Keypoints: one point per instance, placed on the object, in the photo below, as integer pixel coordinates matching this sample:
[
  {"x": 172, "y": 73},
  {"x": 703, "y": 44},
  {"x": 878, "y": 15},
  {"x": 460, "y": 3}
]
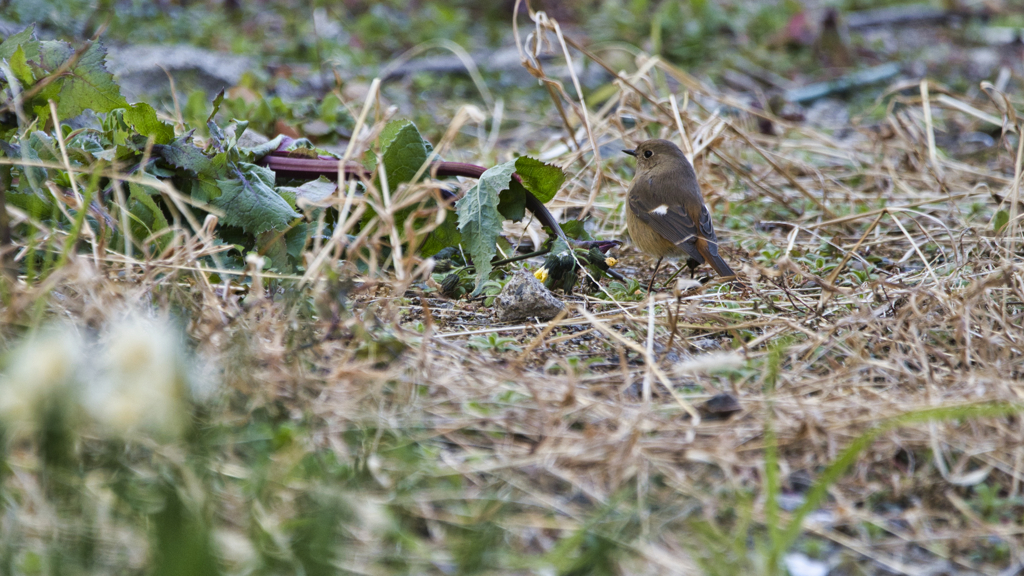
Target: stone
[
  {"x": 525, "y": 297},
  {"x": 139, "y": 69}
]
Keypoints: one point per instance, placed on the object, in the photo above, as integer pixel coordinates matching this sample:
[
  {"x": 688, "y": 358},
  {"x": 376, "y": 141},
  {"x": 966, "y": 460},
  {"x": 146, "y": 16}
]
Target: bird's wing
[
  {"x": 707, "y": 231},
  {"x": 673, "y": 223}
]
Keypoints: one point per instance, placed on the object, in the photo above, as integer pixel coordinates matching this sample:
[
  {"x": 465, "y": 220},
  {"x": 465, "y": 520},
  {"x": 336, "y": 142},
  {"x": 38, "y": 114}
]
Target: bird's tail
[
  {"x": 720, "y": 266},
  {"x": 711, "y": 257}
]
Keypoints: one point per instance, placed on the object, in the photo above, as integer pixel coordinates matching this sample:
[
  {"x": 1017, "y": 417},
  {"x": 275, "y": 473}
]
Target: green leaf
[
  {"x": 250, "y": 202},
  {"x": 314, "y": 191},
  {"x": 145, "y": 215},
  {"x": 86, "y": 85},
  {"x": 296, "y": 239},
  {"x": 143, "y": 118},
  {"x": 512, "y": 202},
  {"x": 575, "y": 229},
  {"x": 217, "y": 101},
  {"x": 182, "y": 153},
  {"x": 1000, "y": 220},
  {"x": 22, "y": 71},
  {"x": 273, "y": 246},
  {"x": 543, "y": 180},
  {"x": 30, "y": 203},
  {"x": 18, "y": 40},
  {"x": 479, "y": 219},
  {"x": 257, "y": 152},
  {"x": 445, "y": 235},
  {"x": 404, "y": 151}
]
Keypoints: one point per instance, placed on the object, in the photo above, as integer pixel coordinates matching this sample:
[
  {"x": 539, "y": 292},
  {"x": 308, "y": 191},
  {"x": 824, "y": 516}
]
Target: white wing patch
[{"x": 660, "y": 210}]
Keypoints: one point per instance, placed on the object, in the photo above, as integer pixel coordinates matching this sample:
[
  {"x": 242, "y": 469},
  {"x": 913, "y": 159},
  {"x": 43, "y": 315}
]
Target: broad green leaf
[
  {"x": 542, "y": 179},
  {"x": 250, "y": 202},
  {"x": 143, "y": 118},
  {"x": 445, "y": 235},
  {"x": 283, "y": 249},
  {"x": 19, "y": 40},
  {"x": 512, "y": 202},
  {"x": 86, "y": 85},
  {"x": 296, "y": 239},
  {"x": 401, "y": 145},
  {"x": 314, "y": 191},
  {"x": 403, "y": 153},
  {"x": 479, "y": 219},
  {"x": 273, "y": 247},
  {"x": 30, "y": 203},
  {"x": 573, "y": 229}
]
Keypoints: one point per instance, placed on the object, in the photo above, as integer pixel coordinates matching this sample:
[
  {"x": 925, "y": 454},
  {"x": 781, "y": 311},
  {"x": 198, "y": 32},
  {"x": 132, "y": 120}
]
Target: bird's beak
[{"x": 630, "y": 152}]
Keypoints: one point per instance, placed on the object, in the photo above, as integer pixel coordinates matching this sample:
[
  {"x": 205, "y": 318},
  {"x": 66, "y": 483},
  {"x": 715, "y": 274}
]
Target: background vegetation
[{"x": 213, "y": 368}]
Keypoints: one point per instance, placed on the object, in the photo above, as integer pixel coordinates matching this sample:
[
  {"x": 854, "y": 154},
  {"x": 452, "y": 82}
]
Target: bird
[{"x": 666, "y": 215}]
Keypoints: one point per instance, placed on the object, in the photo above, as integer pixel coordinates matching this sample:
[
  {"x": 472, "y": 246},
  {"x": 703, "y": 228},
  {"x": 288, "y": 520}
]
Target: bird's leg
[
  {"x": 672, "y": 277},
  {"x": 656, "y": 266},
  {"x": 692, "y": 265}
]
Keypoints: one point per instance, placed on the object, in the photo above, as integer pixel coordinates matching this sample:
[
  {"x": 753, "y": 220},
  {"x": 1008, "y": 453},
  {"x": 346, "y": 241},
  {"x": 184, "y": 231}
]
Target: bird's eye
[{"x": 648, "y": 153}]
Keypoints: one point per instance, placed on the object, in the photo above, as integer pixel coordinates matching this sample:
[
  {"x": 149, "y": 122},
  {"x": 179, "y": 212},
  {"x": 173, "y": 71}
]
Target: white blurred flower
[
  {"x": 143, "y": 382},
  {"x": 43, "y": 366},
  {"x": 708, "y": 362}
]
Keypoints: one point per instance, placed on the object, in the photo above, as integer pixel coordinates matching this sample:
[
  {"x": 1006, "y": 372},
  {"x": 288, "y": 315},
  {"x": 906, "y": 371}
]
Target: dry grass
[{"x": 875, "y": 287}]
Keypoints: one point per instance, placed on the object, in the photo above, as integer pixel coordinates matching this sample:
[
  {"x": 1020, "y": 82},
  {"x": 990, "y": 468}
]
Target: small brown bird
[{"x": 666, "y": 214}]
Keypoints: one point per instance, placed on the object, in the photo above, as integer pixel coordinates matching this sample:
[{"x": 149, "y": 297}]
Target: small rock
[
  {"x": 828, "y": 113},
  {"x": 525, "y": 297},
  {"x": 720, "y": 406},
  {"x": 139, "y": 69}
]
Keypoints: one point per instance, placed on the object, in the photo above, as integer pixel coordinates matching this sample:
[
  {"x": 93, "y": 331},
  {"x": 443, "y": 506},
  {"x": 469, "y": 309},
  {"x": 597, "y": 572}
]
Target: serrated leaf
[
  {"x": 543, "y": 180},
  {"x": 143, "y": 118},
  {"x": 217, "y": 101},
  {"x": 22, "y": 71},
  {"x": 18, "y": 40},
  {"x": 182, "y": 153},
  {"x": 479, "y": 219},
  {"x": 250, "y": 202},
  {"x": 403, "y": 153},
  {"x": 512, "y": 202},
  {"x": 86, "y": 85}
]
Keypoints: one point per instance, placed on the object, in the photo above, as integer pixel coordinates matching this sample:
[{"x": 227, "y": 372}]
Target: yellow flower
[
  {"x": 541, "y": 274},
  {"x": 610, "y": 261}
]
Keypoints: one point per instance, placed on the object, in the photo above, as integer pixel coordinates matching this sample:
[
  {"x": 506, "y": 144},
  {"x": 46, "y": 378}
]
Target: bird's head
[{"x": 651, "y": 153}]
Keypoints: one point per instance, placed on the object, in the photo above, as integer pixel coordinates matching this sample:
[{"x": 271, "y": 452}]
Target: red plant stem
[{"x": 286, "y": 166}]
